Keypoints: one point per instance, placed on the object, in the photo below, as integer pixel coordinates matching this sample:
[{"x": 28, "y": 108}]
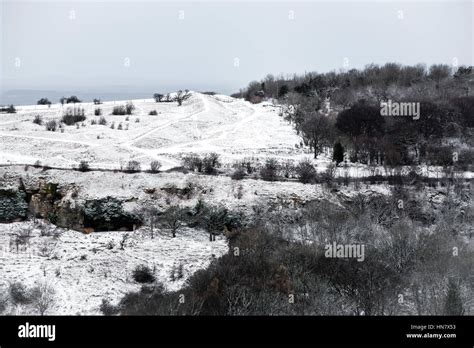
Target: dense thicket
[
  {"x": 345, "y": 107},
  {"x": 416, "y": 262}
]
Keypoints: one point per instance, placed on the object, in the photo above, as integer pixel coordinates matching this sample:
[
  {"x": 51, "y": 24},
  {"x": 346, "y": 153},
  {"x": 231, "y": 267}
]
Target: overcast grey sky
[{"x": 65, "y": 45}]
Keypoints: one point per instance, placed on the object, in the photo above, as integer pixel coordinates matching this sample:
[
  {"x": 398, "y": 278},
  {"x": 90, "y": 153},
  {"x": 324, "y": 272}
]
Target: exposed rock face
[
  {"x": 68, "y": 211},
  {"x": 62, "y": 206},
  {"x": 57, "y": 204}
]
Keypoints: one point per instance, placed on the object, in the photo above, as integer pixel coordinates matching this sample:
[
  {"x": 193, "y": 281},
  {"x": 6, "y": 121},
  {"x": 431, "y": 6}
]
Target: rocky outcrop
[{"x": 61, "y": 205}]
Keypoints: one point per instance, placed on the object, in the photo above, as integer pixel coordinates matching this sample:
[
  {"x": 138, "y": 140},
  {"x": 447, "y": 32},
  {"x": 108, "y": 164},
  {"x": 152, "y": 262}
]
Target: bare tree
[
  {"x": 182, "y": 96},
  {"x": 158, "y": 97},
  {"x": 173, "y": 219},
  {"x": 43, "y": 297},
  {"x": 151, "y": 217},
  {"x": 317, "y": 131},
  {"x": 22, "y": 238}
]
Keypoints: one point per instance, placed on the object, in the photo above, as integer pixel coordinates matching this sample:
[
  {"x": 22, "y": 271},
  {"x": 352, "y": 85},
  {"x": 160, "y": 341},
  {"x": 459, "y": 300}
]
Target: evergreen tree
[{"x": 338, "y": 153}]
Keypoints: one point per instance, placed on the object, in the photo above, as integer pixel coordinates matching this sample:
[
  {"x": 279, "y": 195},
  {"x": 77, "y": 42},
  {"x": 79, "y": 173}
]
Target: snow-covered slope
[
  {"x": 84, "y": 269},
  {"x": 231, "y": 127}
]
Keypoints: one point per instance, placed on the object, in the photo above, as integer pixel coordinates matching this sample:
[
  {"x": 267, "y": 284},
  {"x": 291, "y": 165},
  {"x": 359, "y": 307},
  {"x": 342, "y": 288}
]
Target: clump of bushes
[
  {"x": 158, "y": 97},
  {"x": 211, "y": 163},
  {"x": 107, "y": 308},
  {"x": 97, "y": 111},
  {"x": 73, "y": 115},
  {"x": 72, "y": 99},
  {"x": 19, "y": 294},
  {"x": 123, "y": 109},
  {"x": 155, "y": 166},
  {"x": 143, "y": 274},
  {"x": 269, "y": 171},
  {"x": 84, "y": 166},
  {"x": 238, "y": 174},
  {"x": 153, "y": 113},
  {"x": 102, "y": 121},
  {"x": 306, "y": 172},
  {"x": 192, "y": 162},
  {"x": 8, "y": 109},
  {"x": 40, "y": 297},
  {"x": 119, "y": 110},
  {"x": 51, "y": 126},
  {"x": 213, "y": 219},
  {"x": 38, "y": 120},
  {"x": 246, "y": 164},
  {"x": 107, "y": 214},
  {"x": 207, "y": 164},
  {"x": 129, "y": 108},
  {"x": 133, "y": 167},
  {"x": 44, "y": 101}
]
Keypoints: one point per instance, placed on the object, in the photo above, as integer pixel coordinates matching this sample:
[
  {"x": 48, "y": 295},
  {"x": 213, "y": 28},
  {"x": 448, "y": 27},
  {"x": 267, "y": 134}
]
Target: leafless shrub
[
  {"x": 46, "y": 248},
  {"x": 43, "y": 297},
  {"x": 269, "y": 172},
  {"x": 306, "y": 172},
  {"x": 22, "y": 237},
  {"x": 38, "y": 120},
  {"x": 102, "y": 121},
  {"x": 52, "y": 125},
  {"x": 155, "y": 166},
  {"x": 193, "y": 162},
  {"x": 133, "y": 167}
]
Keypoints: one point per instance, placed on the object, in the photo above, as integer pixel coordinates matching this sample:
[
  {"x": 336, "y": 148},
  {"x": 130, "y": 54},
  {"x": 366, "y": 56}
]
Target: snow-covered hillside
[
  {"x": 231, "y": 127},
  {"x": 84, "y": 269}
]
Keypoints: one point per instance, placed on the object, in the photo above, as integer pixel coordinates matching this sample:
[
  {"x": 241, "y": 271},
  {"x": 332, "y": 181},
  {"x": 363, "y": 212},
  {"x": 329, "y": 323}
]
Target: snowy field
[
  {"x": 231, "y": 127},
  {"x": 84, "y": 269}
]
